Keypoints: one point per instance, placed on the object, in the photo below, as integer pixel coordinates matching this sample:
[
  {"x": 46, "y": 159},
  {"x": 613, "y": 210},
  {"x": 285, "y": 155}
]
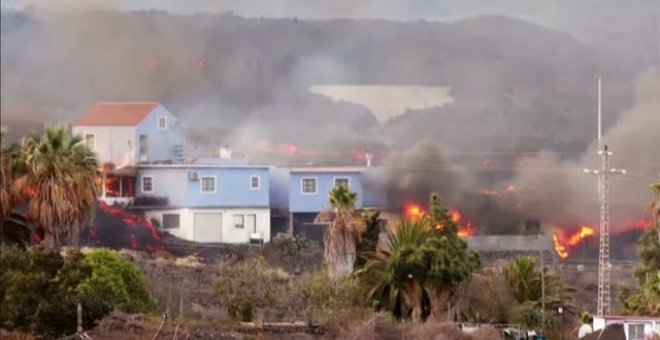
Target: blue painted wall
[
  {"x": 161, "y": 142},
  {"x": 279, "y": 188},
  {"x": 299, "y": 202},
  {"x": 232, "y": 186}
]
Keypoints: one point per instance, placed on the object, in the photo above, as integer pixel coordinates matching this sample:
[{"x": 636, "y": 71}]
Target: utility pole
[
  {"x": 604, "y": 287},
  {"x": 604, "y": 298},
  {"x": 542, "y": 295}
]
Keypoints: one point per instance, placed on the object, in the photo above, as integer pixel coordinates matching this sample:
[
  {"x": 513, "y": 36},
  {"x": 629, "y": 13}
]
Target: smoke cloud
[
  {"x": 518, "y": 88},
  {"x": 560, "y": 192}
]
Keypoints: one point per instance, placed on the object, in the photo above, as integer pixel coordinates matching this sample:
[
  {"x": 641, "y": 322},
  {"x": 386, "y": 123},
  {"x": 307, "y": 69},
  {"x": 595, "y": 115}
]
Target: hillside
[{"x": 515, "y": 84}]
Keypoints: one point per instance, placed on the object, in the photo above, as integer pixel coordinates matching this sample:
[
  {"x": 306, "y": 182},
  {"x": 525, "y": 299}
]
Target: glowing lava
[
  {"x": 563, "y": 244},
  {"x": 117, "y": 228}
]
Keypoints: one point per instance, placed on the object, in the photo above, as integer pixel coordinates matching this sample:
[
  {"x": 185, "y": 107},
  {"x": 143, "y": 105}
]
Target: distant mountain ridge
[{"x": 252, "y": 75}]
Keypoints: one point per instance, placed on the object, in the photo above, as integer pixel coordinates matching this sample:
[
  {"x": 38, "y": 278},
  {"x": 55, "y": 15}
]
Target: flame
[
  {"x": 584, "y": 232},
  {"x": 559, "y": 248},
  {"x": 563, "y": 244},
  {"x": 413, "y": 211},
  {"x": 465, "y": 228}
]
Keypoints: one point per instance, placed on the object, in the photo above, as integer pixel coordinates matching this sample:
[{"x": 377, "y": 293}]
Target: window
[
  {"x": 143, "y": 148},
  {"x": 342, "y": 181},
  {"x": 90, "y": 141},
  {"x": 251, "y": 222},
  {"x": 239, "y": 222},
  {"x": 309, "y": 185},
  {"x": 162, "y": 122},
  {"x": 208, "y": 184},
  {"x": 147, "y": 184},
  {"x": 171, "y": 221},
  {"x": 636, "y": 331},
  {"x": 255, "y": 182}
]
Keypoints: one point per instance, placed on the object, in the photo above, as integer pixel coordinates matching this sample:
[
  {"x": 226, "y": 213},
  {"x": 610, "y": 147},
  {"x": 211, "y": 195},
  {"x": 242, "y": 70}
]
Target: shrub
[
  {"x": 252, "y": 287},
  {"x": 38, "y": 293},
  {"x": 40, "y": 289},
  {"x": 293, "y": 245},
  {"x": 115, "y": 283}
]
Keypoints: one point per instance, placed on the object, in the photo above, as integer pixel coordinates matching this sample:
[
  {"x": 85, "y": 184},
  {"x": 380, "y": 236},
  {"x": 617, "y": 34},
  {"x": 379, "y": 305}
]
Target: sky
[{"x": 382, "y": 9}]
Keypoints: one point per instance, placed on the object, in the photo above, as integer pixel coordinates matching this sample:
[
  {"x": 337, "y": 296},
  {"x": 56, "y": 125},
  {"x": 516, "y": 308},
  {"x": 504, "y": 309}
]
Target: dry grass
[{"x": 13, "y": 335}]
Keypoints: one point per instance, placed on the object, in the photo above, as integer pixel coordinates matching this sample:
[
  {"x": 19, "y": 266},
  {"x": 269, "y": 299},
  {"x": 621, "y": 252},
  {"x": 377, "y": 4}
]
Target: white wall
[
  {"x": 112, "y": 143},
  {"x": 185, "y": 230},
  {"x": 230, "y": 234}
]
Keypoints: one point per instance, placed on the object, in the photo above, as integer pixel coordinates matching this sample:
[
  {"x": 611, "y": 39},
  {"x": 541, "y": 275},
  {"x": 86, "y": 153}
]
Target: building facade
[
  {"x": 139, "y": 146},
  {"x": 124, "y": 135},
  {"x": 207, "y": 203},
  {"x": 299, "y": 194},
  {"x": 635, "y": 327}
]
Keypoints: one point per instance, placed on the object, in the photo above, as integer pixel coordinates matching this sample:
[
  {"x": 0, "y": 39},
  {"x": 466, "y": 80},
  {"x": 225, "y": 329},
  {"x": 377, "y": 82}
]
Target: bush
[
  {"x": 40, "y": 289},
  {"x": 293, "y": 245},
  {"x": 115, "y": 283},
  {"x": 38, "y": 293},
  {"x": 252, "y": 287}
]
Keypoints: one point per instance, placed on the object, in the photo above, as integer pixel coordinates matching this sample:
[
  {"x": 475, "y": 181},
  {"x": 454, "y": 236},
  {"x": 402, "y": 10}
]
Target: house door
[
  {"x": 143, "y": 154},
  {"x": 207, "y": 227}
]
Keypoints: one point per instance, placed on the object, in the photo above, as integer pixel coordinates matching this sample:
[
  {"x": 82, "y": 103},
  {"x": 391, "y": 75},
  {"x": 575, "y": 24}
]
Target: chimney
[
  {"x": 225, "y": 152},
  {"x": 368, "y": 157}
]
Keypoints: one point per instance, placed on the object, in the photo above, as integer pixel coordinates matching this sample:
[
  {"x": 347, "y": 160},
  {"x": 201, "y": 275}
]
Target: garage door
[{"x": 208, "y": 227}]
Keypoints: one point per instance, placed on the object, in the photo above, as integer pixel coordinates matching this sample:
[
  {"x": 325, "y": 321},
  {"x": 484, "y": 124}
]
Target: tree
[
  {"x": 396, "y": 275},
  {"x": 451, "y": 266},
  {"x": 646, "y": 300},
  {"x": 525, "y": 284},
  {"x": 344, "y": 230},
  {"x": 423, "y": 258},
  {"x": 60, "y": 183},
  {"x": 13, "y": 226},
  {"x": 368, "y": 240},
  {"x": 445, "y": 224}
]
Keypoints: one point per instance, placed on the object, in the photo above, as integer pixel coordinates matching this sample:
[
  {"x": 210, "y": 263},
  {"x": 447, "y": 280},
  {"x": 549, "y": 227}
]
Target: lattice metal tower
[{"x": 604, "y": 287}]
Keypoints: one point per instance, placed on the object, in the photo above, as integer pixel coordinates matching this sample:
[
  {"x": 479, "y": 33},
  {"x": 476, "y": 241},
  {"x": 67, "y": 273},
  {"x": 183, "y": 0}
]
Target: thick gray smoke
[
  {"x": 560, "y": 192},
  {"x": 544, "y": 186},
  {"x": 518, "y": 88}
]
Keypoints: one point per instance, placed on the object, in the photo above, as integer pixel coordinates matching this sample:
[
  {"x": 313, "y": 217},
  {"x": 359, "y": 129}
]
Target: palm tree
[
  {"x": 346, "y": 225},
  {"x": 655, "y": 208},
  {"x": 396, "y": 275},
  {"x": 524, "y": 283},
  {"x": 522, "y": 278},
  {"x": 13, "y": 226},
  {"x": 60, "y": 183},
  {"x": 8, "y": 196}
]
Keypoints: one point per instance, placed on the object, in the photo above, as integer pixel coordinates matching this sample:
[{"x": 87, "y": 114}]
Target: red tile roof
[{"x": 116, "y": 114}]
